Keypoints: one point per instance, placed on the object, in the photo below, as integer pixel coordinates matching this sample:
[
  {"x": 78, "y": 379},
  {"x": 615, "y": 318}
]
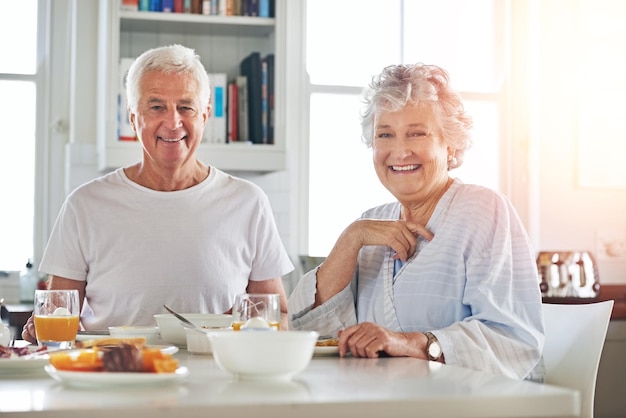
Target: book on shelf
[
  {"x": 233, "y": 109},
  {"x": 125, "y": 130},
  {"x": 229, "y": 7},
  {"x": 209, "y": 7},
  {"x": 242, "y": 104},
  {"x": 179, "y": 6},
  {"x": 237, "y": 7},
  {"x": 156, "y": 5},
  {"x": 250, "y": 67},
  {"x": 264, "y": 100},
  {"x": 129, "y": 5},
  {"x": 256, "y": 8},
  {"x": 167, "y": 6},
  {"x": 215, "y": 131},
  {"x": 269, "y": 60},
  {"x": 264, "y": 8},
  {"x": 196, "y": 6},
  {"x": 250, "y": 7}
]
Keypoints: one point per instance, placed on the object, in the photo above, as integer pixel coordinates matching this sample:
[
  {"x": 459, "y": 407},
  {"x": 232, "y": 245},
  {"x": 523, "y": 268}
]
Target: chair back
[{"x": 575, "y": 337}]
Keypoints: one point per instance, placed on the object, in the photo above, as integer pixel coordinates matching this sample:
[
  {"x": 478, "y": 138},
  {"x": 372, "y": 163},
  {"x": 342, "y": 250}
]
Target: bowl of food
[
  {"x": 173, "y": 331},
  {"x": 150, "y": 333},
  {"x": 198, "y": 341},
  {"x": 259, "y": 355}
]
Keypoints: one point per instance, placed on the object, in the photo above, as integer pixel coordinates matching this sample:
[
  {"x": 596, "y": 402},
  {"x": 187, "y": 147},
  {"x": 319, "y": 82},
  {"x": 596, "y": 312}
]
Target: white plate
[
  {"x": 165, "y": 349},
  {"x": 9, "y": 365},
  {"x": 86, "y": 336},
  {"x": 114, "y": 378},
  {"x": 326, "y": 351}
]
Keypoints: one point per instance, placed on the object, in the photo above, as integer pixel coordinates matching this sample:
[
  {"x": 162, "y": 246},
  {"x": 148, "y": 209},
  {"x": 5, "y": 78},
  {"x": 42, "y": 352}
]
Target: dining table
[{"x": 330, "y": 386}]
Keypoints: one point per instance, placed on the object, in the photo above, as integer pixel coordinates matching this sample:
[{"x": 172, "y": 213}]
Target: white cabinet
[
  {"x": 610, "y": 401},
  {"x": 222, "y": 42}
]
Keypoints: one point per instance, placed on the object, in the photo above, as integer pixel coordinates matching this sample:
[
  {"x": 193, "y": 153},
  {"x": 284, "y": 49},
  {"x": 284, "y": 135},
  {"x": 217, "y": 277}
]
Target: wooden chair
[{"x": 575, "y": 337}]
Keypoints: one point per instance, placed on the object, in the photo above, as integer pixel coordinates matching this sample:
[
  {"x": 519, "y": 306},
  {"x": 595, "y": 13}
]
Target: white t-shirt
[{"x": 138, "y": 248}]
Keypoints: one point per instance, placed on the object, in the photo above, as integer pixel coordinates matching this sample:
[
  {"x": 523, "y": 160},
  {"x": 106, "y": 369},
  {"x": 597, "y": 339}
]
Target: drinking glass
[
  {"x": 56, "y": 317},
  {"x": 251, "y": 305}
]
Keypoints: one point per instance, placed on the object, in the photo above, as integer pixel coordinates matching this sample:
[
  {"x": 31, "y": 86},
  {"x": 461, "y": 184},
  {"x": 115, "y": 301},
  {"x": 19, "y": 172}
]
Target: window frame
[
  {"x": 37, "y": 79},
  {"x": 516, "y": 147}
]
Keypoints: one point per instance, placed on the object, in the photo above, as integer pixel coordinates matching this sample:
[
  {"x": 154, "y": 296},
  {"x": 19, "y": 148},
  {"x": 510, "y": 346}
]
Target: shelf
[
  {"x": 222, "y": 42},
  {"x": 227, "y": 157},
  {"x": 196, "y": 24}
]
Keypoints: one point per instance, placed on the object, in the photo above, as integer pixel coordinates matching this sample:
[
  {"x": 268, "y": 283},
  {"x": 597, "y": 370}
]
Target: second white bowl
[
  {"x": 198, "y": 342},
  {"x": 173, "y": 331}
]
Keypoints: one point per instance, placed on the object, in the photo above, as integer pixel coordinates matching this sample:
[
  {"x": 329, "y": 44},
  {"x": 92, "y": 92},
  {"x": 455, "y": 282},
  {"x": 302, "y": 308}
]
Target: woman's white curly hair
[{"x": 400, "y": 85}]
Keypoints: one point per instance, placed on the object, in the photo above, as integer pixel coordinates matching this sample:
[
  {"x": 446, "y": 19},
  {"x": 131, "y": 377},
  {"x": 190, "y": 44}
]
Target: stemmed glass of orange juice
[{"x": 56, "y": 317}]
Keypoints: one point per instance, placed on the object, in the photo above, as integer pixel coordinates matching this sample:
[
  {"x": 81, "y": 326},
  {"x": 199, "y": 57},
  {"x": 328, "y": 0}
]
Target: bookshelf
[{"x": 222, "y": 43}]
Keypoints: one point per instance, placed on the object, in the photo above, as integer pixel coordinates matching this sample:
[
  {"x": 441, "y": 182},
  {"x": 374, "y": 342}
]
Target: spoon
[{"x": 186, "y": 323}]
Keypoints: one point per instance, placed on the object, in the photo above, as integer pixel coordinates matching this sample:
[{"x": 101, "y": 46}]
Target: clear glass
[
  {"x": 18, "y": 37},
  {"x": 252, "y": 306},
  {"x": 17, "y": 172},
  {"x": 56, "y": 316}
]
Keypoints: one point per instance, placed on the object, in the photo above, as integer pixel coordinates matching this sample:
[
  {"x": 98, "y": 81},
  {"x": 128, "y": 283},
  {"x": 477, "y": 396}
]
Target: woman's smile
[{"x": 405, "y": 168}]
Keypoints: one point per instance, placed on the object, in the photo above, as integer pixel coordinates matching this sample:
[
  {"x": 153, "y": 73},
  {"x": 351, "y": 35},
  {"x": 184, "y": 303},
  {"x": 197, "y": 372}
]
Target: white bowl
[
  {"x": 173, "y": 331},
  {"x": 254, "y": 355},
  {"x": 198, "y": 341},
  {"x": 150, "y": 333}
]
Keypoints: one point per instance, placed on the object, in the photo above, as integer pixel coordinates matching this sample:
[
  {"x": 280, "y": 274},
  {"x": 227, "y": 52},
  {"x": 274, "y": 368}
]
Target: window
[
  {"x": 350, "y": 41},
  {"x": 18, "y": 40}
]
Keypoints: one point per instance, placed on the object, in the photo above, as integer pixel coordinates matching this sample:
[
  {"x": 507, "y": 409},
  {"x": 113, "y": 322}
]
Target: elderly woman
[{"x": 446, "y": 272}]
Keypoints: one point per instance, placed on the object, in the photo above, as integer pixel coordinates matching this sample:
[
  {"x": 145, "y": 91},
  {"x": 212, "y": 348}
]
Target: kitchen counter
[
  {"x": 329, "y": 387},
  {"x": 15, "y": 316},
  {"x": 610, "y": 400},
  {"x": 616, "y": 293}
]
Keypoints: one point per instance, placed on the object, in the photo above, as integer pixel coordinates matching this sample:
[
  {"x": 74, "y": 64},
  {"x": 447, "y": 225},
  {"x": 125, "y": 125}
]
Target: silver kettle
[{"x": 568, "y": 274}]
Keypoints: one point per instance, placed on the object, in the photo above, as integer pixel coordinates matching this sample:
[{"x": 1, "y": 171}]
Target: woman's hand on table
[{"x": 371, "y": 340}]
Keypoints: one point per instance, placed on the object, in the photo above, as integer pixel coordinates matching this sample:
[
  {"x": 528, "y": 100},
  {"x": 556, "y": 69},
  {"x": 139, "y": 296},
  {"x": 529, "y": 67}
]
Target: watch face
[{"x": 434, "y": 350}]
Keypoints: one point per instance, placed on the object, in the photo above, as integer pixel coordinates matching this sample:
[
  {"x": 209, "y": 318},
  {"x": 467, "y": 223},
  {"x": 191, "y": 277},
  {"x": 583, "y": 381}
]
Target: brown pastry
[
  {"x": 104, "y": 342},
  {"x": 122, "y": 358},
  {"x": 330, "y": 342}
]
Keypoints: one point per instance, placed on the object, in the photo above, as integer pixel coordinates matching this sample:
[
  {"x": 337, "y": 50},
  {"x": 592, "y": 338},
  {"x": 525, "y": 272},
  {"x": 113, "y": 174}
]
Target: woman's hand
[
  {"x": 370, "y": 340},
  {"x": 337, "y": 271},
  {"x": 401, "y": 236}
]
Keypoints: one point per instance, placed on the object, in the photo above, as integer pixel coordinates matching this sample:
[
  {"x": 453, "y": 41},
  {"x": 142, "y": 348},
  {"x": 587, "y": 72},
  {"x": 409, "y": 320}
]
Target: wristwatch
[{"x": 433, "y": 348}]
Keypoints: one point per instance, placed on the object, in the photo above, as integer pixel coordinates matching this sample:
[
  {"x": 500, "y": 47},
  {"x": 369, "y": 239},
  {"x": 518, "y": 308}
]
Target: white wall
[
  {"x": 564, "y": 217},
  {"x": 571, "y": 216}
]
